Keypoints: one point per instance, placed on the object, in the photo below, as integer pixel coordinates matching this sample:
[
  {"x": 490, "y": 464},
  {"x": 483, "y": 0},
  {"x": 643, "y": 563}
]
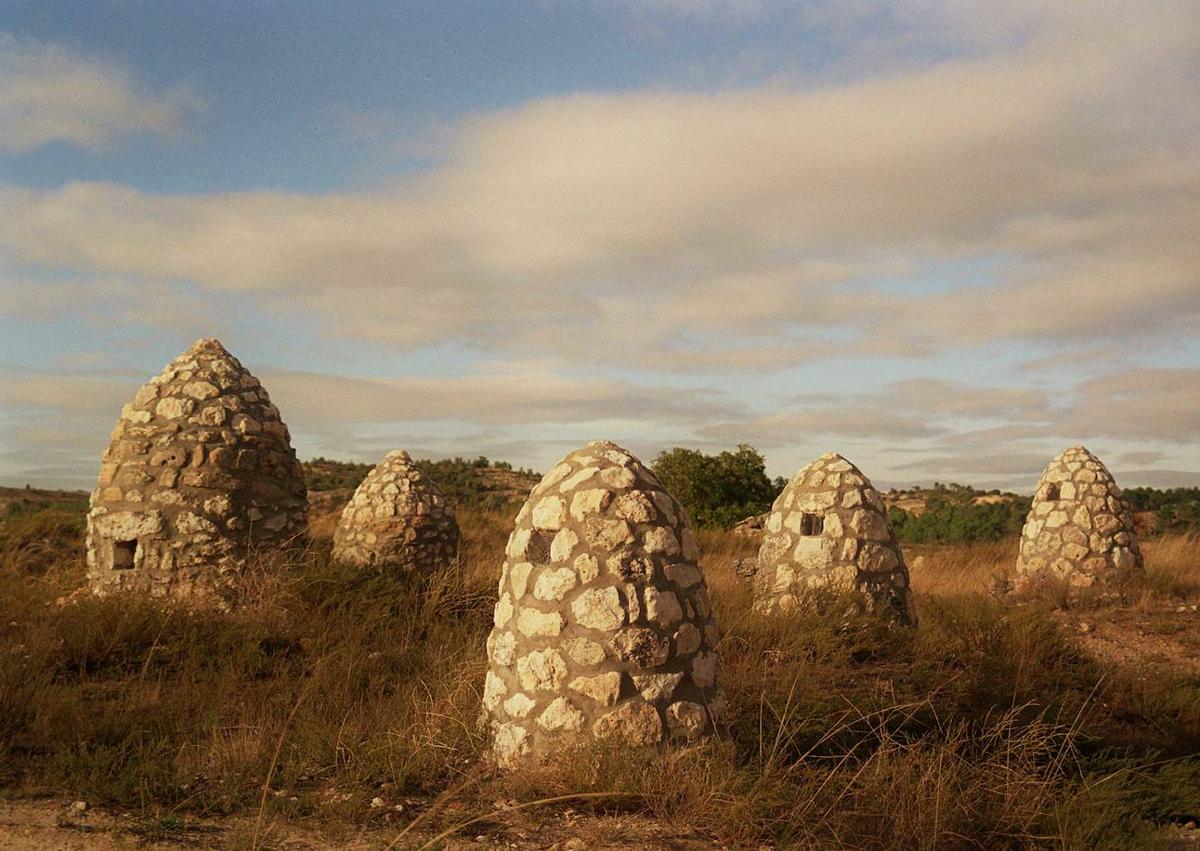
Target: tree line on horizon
[{"x": 721, "y": 489}]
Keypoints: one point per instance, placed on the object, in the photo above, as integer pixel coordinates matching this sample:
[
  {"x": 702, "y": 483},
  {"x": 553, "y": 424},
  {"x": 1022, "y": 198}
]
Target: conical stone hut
[
  {"x": 603, "y": 627},
  {"x": 199, "y": 469},
  {"x": 397, "y": 518},
  {"x": 1078, "y": 529},
  {"x": 829, "y": 529}
]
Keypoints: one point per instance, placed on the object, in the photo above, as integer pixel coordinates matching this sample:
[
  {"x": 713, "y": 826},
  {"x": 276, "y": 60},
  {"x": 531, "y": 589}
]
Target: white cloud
[
  {"x": 988, "y": 433},
  {"x": 1141, "y": 404},
  {"x": 504, "y": 396},
  {"x": 512, "y": 408},
  {"x": 717, "y": 233},
  {"x": 737, "y": 229},
  {"x": 50, "y": 93}
]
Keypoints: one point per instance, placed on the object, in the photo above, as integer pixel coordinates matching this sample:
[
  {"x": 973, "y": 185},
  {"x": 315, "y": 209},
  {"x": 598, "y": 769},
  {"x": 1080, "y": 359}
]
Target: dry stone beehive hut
[
  {"x": 1078, "y": 528},
  {"x": 200, "y": 468},
  {"x": 603, "y": 627},
  {"x": 829, "y": 529},
  {"x": 397, "y": 518}
]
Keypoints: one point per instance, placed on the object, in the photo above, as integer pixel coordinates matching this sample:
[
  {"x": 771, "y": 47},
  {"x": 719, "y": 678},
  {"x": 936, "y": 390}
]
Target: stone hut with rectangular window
[
  {"x": 1079, "y": 529},
  {"x": 199, "y": 471},
  {"x": 829, "y": 530}
]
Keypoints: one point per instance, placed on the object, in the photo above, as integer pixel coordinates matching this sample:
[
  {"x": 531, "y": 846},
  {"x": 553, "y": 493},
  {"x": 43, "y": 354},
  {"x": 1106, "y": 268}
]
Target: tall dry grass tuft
[
  {"x": 1172, "y": 567},
  {"x": 970, "y": 568},
  {"x": 127, "y": 700}
]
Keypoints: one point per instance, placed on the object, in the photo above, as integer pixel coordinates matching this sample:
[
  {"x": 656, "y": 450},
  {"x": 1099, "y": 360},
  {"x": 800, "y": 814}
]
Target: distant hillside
[
  {"x": 953, "y": 513},
  {"x": 321, "y": 474},
  {"x": 914, "y": 500},
  {"x": 478, "y": 483},
  {"x": 1176, "y": 509},
  {"x": 18, "y": 502}
]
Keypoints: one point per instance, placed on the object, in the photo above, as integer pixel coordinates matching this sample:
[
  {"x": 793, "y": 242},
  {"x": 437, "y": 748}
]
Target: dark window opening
[
  {"x": 123, "y": 553},
  {"x": 812, "y": 524},
  {"x": 538, "y": 550},
  {"x": 1052, "y": 492}
]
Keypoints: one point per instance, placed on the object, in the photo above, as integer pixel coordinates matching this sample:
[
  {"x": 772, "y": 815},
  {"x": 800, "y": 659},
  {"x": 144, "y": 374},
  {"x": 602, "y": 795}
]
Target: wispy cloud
[
  {"x": 733, "y": 228},
  {"x": 51, "y": 93},
  {"x": 687, "y": 238}
]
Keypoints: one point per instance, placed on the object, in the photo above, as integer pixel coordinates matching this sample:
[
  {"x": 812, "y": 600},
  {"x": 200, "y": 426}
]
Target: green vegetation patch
[
  {"x": 480, "y": 483},
  {"x": 718, "y": 490},
  {"x": 1177, "y": 509},
  {"x": 955, "y": 514}
]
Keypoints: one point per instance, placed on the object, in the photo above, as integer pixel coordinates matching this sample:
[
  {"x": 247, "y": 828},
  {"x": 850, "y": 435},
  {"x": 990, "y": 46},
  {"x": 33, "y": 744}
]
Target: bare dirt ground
[
  {"x": 1141, "y": 639},
  {"x": 48, "y": 825}
]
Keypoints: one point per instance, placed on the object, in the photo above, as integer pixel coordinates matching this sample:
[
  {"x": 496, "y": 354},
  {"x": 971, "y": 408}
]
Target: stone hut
[
  {"x": 603, "y": 627},
  {"x": 199, "y": 469},
  {"x": 829, "y": 529},
  {"x": 397, "y": 518},
  {"x": 1078, "y": 529}
]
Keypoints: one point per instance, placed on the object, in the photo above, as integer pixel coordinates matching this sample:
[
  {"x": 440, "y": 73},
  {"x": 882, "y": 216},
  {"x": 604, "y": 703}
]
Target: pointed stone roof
[
  {"x": 603, "y": 625},
  {"x": 829, "y": 529},
  {"x": 397, "y": 518},
  {"x": 200, "y": 468},
  {"x": 1079, "y": 529}
]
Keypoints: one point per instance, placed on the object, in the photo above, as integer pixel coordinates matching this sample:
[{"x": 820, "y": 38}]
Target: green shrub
[{"x": 718, "y": 490}]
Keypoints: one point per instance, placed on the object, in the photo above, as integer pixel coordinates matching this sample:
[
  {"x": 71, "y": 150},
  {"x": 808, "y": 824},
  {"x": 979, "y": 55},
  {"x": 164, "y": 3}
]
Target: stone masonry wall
[
  {"x": 829, "y": 529},
  {"x": 199, "y": 468},
  {"x": 1078, "y": 529},
  {"x": 603, "y": 625},
  {"x": 397, "y": 518}
]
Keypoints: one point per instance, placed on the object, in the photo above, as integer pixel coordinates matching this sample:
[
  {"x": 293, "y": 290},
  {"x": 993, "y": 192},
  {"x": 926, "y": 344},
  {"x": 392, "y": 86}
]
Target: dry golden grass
[
  {"x": 986, "y": 727},
  {"x": 961, "y": 569},
  {"x": 1172, "y": 567}
]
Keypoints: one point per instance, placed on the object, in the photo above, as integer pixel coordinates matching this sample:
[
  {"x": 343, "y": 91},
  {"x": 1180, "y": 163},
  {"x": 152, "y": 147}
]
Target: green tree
[{"x": 717, "y": 490}]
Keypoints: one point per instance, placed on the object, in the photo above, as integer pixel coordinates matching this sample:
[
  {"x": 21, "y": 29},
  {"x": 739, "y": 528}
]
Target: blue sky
[{"x": 943, "y": 238}]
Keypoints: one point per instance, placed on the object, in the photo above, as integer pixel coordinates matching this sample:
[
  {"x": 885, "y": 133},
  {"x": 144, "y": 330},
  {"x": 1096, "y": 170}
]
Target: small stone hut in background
[
  {"x": 397, "y": 518},
  {"x": 200, "y": 468},
  {"x": 1078, "y": 529},
  {"x": 829, "y": 529},
  {"x": 603, "y": 627}
]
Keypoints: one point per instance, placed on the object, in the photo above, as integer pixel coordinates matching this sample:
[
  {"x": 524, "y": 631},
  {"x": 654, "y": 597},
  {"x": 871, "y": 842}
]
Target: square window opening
[
  {"x": 538, "y": 550},
  {"x": 811, "y": 524},
  {"x": 1052, "y": 492},
  {"x": 123, "y": 555}
]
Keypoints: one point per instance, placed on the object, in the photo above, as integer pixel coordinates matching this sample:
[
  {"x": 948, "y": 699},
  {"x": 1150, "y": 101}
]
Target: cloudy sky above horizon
[{"x": 945, "y": 238}]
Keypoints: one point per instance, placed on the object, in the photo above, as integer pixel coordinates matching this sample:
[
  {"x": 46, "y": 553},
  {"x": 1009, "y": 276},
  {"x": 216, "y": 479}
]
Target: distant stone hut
[
  {"x": 829, "y": 529},
  {"x": 604, "y": 626},
  {"x": 200, "y": 468},
  {"x": 397, "y": 519},
  {"x": 1078, "y": 529}
]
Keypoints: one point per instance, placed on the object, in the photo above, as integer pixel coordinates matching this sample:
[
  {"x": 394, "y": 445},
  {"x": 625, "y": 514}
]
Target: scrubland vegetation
[
  {"x": 725, "y": 488},
  {"x": 477, "y": 483},
  {"x": 989, "y": 726},
  {"x": 1177, "y": 509}
]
